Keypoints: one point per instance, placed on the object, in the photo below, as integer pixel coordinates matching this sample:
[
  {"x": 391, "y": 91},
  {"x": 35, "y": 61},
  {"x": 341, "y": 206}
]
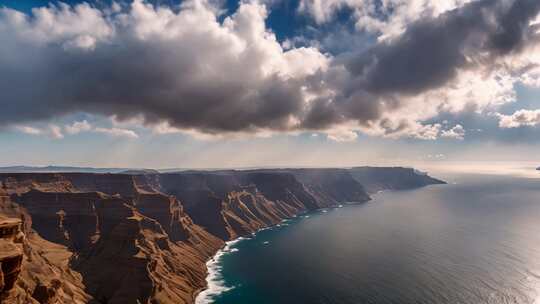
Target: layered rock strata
[{"x": 145, "y": 237}]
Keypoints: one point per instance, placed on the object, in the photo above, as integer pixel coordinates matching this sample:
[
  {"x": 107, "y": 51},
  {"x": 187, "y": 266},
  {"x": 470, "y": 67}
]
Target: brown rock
[{"x": 123, "y": 238}]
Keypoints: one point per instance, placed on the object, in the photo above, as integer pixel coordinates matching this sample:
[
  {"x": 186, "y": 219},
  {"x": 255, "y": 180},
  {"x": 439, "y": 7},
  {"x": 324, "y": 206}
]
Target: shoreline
[{"x": 214, "y": 281}]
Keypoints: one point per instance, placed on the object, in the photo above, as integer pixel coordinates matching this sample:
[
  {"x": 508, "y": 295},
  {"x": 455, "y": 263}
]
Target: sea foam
[{"x": 214, "y": 279}]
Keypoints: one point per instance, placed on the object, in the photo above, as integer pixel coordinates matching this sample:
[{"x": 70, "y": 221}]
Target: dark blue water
[{"x": 477, "y": 241}]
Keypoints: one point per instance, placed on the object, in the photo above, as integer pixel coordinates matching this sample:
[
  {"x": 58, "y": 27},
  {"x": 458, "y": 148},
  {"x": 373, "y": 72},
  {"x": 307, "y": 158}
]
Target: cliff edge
[{"x": 145, "y": 237}]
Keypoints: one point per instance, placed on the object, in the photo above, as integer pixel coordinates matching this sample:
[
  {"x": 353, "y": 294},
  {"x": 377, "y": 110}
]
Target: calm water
[{"x": 477, "y": 241}]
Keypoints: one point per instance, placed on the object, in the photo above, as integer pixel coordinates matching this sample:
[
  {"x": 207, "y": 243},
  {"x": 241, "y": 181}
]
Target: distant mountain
[
  {"x": 139, "y": 171},
  {"x": 66, "y": 169}
]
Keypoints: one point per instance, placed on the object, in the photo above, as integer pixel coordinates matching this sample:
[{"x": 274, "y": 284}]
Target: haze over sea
[{"x": 471, "y": 241}]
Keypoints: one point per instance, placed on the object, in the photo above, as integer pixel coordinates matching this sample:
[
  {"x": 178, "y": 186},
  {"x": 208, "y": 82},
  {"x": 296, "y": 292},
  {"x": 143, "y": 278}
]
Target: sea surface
[{"x": 475, "y": 240}]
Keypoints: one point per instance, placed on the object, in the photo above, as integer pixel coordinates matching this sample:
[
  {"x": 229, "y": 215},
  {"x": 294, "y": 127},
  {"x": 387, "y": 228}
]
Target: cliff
[
  {"x": 377, "y": 179},
  {"x": 145, "y": 237},
  {"x": 93, "y": 247}
]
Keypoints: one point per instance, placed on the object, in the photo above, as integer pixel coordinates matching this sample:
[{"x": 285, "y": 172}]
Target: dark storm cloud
[
  {"x": 218, "y": 78},
  {"x": 430, "y": 51}
]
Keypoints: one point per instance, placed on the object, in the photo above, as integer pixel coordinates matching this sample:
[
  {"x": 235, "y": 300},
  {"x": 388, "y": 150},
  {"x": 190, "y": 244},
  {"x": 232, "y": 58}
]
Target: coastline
[
  {"x": 214, "y": 281},
  {"x": 268, "y": 198}
]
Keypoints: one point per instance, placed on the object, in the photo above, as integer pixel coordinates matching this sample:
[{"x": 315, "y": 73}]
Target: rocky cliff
[
  {"x": 145, "y": 237},
  {"x": 377, "y": 179}
]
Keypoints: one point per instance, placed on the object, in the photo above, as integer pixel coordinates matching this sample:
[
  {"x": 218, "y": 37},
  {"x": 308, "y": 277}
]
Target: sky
[{"x": 265, "y": 83}]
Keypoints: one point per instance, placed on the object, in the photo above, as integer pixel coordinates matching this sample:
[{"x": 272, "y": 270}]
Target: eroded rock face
[
  {"x": 63, "y": 217},
  {"x": 11, "y": 255},
  {"x": 391, "y": 178},
  {"x": 235, "y": 203},
  {"x": 111, "y": 184},
  {"x": 24, "y": 182},
  {"x": 168, "y": 211},
  {"x": 145, "y": 238},
  {"x": 117, "y": 249}
]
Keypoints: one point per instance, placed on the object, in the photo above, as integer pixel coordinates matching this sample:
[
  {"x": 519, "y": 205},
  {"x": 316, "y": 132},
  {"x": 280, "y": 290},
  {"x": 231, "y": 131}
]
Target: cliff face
[
  {"x": 145, "y": 238},
  {"x": 11, "y": 255},
  {"x": 234, "y": 203},
  {"x": 391, "y": 178},
  {"x": 85, "y": 246}
]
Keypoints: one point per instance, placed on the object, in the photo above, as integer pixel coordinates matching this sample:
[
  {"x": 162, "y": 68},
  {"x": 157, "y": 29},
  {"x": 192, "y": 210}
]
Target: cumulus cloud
[
  {"x": 457, "y": 132},
  {"x": 117, "y": 132},
  {"x": 191, "y": 70},
  {"x": 78, "y": 127},
  {"x": 386, "y": 19},
  {"x": 55, "y": 132},
  {"x": 183, "y": 67},
  {"x": 29, "y": 130},
  {"x": 51, "y": 131},
  {"x": 342, "y": 135},
  {"x": 84, "y": 126},
  {"x": 521, "y": 118}
]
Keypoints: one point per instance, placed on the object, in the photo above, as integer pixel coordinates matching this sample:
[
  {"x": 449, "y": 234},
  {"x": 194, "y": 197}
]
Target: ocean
[{"x": 475, "y": 240}]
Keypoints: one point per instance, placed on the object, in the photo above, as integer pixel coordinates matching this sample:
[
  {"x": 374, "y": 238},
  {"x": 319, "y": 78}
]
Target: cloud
[
  {"x": 468, "y": 58},
  {"x": 51, "y": 131},
  {"x": 55, "y": 132},
  {"x": 117, "y": 132},
  {"x": 342, "y": 135},
  {"x": 386, "y": 19},
  {"x": 78, "y": 127},
  {"x": 193, "y": 70},
  {"x": 432, "y": 52},
  {"x": 457, "y": 132},
  {"x": 438, "y": 156},
  {"x": 29, "y": 130},
  {"x": 153, "y": 62},
  {"x": 521, "y": 118}
]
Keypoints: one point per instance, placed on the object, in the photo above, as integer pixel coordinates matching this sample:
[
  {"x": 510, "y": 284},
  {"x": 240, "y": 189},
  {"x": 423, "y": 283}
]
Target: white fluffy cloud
[
  {"x": 521, "y": 118},
  {"x": 117, "y": 132},
  {"x": 78, "y": 127},
  {"x": 185, "y": 68},
  {"x": 190, "y": 70},
  {"x": 51, "y": 131},
  {"x": 29, "y": 130},
  {"x": 342, "y": 134},
  {"x": 386, "y": 19},
  {"x": 457, "y": 132}
]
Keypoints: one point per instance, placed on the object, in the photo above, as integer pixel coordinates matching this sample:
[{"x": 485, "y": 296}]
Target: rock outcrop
[
  {"x": 145, "y": 237},
  {"x": 11, "y": 255}
]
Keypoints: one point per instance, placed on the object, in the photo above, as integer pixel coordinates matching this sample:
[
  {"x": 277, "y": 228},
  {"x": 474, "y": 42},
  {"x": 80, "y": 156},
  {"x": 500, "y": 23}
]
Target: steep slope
[
  {"x": 377, "y": 179},
  {"x": 333, "y": 186},
  {"x": 235, "y": 203},
  {"x": 45, "y": 275},
  {"x": 135, "y": 260},
  {"x": 90, "y": 247},
  {"x": 145, "y": 237}
]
